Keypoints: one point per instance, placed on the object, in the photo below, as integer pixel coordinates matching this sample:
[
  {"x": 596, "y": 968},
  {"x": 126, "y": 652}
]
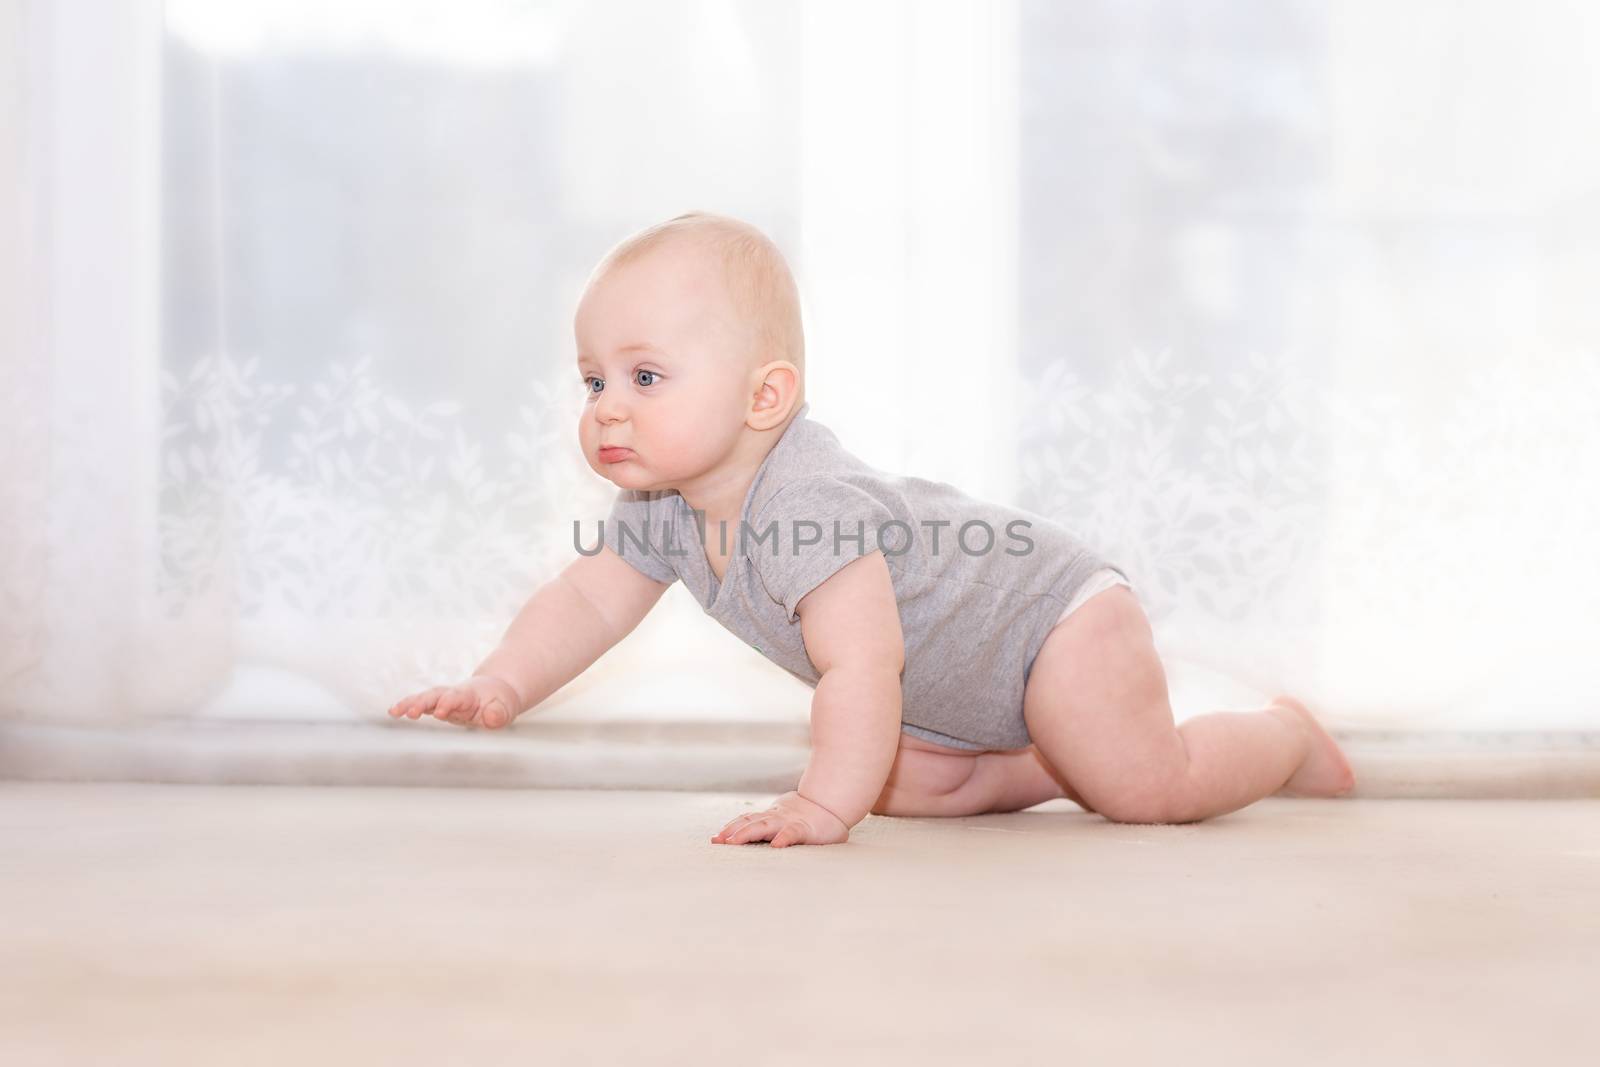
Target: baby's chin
[{"x": 628, "y": 475}]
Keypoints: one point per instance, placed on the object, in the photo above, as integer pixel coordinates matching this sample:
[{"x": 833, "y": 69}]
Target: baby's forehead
[
  {"x": 717, "y": 279},
  {"x": 708, "y": 260},
  {"x": 720, "y": 286}
]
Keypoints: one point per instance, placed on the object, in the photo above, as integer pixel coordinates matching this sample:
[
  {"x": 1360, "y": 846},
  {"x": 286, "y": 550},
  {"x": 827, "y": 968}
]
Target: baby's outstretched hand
[
  {"x": 791, "y": 820},
  {"x": 478, "y": 701}
]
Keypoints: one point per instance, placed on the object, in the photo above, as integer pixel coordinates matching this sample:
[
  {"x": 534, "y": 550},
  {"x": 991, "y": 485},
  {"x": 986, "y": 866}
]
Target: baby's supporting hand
[
  {"x": 478, "y": 701},
  {"x": 792, "y": 820}
]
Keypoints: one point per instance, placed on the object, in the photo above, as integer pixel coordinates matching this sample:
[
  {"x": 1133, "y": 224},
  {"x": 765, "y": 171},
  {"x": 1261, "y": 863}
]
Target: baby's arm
[
  {"x": 851, "y": 627},
  {"x": 568, "y": 623}
]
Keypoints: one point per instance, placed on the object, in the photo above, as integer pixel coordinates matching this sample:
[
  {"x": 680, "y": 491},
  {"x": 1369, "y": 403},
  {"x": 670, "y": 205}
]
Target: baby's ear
[{"x": 776, "y": 397}]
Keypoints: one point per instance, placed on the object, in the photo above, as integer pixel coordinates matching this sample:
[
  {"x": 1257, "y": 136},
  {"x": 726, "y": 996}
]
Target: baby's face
[{"x": 678, "y": 405}]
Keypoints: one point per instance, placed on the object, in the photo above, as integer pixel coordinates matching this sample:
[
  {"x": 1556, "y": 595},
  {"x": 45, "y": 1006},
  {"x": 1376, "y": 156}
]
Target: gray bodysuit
[{"x": 978, "y": 585}]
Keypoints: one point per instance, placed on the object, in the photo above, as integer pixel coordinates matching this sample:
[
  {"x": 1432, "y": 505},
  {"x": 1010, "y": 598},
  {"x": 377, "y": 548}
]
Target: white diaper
[{"x": 1104, "y": 578}]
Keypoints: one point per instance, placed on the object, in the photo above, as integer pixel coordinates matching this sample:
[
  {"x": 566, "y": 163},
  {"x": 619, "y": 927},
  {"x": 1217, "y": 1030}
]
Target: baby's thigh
[
  {"x": 1096, "y": 702},
  {"x": 925, "y": 783}
]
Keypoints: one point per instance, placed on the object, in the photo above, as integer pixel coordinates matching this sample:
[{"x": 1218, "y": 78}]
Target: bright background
[{"x": 1287, "y": 308}]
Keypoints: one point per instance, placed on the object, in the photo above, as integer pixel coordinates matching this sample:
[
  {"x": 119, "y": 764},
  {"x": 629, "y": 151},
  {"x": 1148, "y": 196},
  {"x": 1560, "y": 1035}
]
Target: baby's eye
[
  {"x": 652, "y": 375},
  {"x": 588, "y": 380}
]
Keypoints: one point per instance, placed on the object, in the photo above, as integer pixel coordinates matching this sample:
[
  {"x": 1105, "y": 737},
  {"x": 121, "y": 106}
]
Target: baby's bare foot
[{"x": 1325, "y": 772}]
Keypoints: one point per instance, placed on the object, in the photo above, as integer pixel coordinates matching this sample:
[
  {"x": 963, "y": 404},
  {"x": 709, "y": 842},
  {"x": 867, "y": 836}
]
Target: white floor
[{"x": 178, "y": 924}]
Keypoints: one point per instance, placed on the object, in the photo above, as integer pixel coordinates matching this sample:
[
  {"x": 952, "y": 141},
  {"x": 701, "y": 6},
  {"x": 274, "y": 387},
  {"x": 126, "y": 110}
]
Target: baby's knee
[{"x": 1150, "y": 802}]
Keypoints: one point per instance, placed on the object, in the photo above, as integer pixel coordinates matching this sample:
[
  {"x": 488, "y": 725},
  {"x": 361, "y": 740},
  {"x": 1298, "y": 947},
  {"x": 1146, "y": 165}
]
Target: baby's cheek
[{"x": 677, "y": 452}]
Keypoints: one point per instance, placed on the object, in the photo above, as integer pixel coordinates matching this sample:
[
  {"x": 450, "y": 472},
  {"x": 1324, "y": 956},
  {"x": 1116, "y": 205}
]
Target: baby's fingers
[
  {"x": 755, "y": 828},
  {"x": 455, "y": 706},
  {"x": 793, "y": 833},
  {"x": 733, "y": 824},
  {"x": 413, "y": 706}
]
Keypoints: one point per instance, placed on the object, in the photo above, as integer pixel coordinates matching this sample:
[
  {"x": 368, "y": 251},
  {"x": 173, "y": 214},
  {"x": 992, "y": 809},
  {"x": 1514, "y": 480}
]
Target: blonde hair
[{"x": 760, "y": 285}]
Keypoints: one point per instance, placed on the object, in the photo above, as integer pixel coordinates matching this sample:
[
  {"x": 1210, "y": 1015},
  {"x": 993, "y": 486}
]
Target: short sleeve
[
  {"x": 636, "y": 530},
  {"x": 810, "y": 530}
]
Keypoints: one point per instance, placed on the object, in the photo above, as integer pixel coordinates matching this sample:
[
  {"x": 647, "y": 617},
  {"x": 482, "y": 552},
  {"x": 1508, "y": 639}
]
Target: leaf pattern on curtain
[
  {"x": 1403, "y": 559},
  {"x": 386, "y": 516},
  {"x": 1227, "y": 497}
]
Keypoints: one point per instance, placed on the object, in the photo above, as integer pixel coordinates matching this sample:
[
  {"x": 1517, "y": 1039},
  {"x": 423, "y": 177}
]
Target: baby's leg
[
  {"x": 1017, "y": 779},
  {"x": 1096, "y": 706},
  {"x": 931, "y": 783},
  {"x": 928, "y": 783}
]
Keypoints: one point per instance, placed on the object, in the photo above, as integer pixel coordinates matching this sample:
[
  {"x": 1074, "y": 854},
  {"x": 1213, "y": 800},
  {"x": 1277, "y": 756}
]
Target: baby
[{"x": 966, "y": 657}]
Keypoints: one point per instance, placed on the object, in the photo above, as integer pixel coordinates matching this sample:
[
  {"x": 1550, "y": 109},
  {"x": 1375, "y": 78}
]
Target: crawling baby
[{"x": 967, "y": 657}]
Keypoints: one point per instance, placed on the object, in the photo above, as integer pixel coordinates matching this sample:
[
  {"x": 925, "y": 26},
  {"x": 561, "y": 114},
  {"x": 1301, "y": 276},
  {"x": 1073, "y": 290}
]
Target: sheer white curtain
[
  {"x": 79, "y": 413},
  {"x": 1287, "y": 310},
  {"x": 1309, "y": 329}
]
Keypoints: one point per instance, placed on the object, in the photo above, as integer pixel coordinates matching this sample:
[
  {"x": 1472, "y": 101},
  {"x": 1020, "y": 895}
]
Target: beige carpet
[{"x": 171, "y": 924}]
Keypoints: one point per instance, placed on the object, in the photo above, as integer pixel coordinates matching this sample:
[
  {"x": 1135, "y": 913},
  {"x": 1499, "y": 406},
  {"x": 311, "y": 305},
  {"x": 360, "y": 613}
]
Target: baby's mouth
[{"x": 615, "y": 454}]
